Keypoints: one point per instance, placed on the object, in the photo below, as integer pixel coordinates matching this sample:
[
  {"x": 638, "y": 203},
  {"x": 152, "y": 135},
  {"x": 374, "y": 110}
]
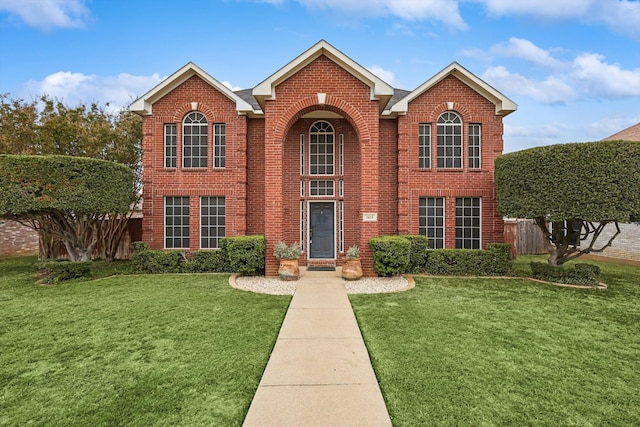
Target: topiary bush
[
  {"x": 578, "y": 274},
  {"x": 57, "y": 271},
  {"x": 246, "y": 254},
  {"x": 145, "y": 260},
  {"x": 209, "y": 261},
  {"x": 391, "y": 255}
]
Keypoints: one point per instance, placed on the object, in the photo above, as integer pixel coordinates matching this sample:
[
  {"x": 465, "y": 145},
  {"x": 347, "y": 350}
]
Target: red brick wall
[
  {"x": 194, "y": 182},
  {"x": 255, "y": 176},
  {"x": 415, "y": 183}
]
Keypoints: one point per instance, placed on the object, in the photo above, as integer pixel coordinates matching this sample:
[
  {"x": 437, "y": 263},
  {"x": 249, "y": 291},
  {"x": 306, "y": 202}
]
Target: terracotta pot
[
  {"x": 352, "y": 269},
  {"x": 289, "y": 269}
]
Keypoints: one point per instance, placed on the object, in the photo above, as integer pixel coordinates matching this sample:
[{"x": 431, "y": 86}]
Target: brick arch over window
[
  {"x": 332, "y": 104},
  {"x": 185, "y": 109},
  {"x": 458, "y": 108}
]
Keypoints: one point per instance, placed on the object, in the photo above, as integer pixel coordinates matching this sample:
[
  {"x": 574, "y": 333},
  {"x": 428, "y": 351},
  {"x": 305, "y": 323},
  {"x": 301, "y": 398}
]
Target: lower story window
[
  {"x": 468, "y": 221},
  {"x": 176, "y": 222},
  {"x": 212, "y": 221},
  {"x": 432, "y": 220}
]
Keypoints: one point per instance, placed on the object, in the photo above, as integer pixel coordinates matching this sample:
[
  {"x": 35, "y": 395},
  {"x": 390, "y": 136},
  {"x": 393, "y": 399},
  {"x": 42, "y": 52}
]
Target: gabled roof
[
  {"x": 144, "y": 104},
  {"x": 379, "y": 89},
  {"x": 631, "y": 133},
  {"x": 503, "y": 104}
]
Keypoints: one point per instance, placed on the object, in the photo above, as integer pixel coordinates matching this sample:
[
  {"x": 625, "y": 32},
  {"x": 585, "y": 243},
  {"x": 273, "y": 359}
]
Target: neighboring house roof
[
  {"x": 379, "y": 89},
  {"x": 393, "y": 102},
  {"x": 144, "y": 104},
  {"x": 631, "y": 133},
  {"x": 503, "y": 104}
]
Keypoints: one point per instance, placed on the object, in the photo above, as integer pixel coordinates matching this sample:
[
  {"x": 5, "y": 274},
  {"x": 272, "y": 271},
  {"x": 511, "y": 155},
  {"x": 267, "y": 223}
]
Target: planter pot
[
  {"x": 289, "y": 269},
  {"x": 351, "y": 269}
]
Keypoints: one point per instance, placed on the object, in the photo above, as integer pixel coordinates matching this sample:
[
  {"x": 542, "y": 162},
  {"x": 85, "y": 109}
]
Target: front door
[{"x": 321, "y": 230}]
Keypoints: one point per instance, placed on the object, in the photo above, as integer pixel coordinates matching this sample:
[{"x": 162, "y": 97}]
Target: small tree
[
  {"x": 65, "y": 197},
  {"x": 572, "y": 191}
]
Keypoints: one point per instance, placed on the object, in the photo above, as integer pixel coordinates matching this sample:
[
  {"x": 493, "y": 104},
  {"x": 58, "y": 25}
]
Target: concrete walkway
[{"x": 319, "y": 373}]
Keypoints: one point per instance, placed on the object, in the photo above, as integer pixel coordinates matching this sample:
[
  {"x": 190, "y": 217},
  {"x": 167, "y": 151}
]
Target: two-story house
[{"x": 322, "y": 152}]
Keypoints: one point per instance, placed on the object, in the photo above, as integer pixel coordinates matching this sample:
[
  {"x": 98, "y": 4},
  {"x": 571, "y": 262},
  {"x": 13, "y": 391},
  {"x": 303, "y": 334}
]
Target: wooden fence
[{"x": 524, "y": 236}]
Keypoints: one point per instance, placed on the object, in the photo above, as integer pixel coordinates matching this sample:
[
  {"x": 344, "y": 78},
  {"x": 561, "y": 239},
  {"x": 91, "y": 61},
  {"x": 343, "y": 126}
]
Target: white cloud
[
  {"x": 385, "y": 75},
  {"x": 609, "y": 126},
  {"x": 602, "y": 79},
  {"x": 552, "y": 90},
  {"x": 525, "y": 49},
  {"x": 76, "y": 88},
  {"x": 48, "y": 14},
  {"x": 547, "y": 9},
  {"x": 230, "y": 86}
]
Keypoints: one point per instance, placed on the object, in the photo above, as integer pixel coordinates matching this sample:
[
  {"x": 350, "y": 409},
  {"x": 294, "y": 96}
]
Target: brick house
[{"x": 324, "y": 153}]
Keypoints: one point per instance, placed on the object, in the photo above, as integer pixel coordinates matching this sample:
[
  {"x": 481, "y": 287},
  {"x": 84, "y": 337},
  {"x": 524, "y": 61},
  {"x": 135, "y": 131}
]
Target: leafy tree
[
  {"x": 46, "y": 126},
  {"x": 65, "y": 197},
  {"x": 572, "y": 191}
]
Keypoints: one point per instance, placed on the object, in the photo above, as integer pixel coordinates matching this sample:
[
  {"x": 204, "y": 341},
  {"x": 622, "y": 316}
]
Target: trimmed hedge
[
  {"x": 578, "y": 274},
  {"x": 391, "y": 254},
  {"x": 418, "y": 254},
  {"x": 60, "y": 271},
  {"x": 243, "y": 255}
]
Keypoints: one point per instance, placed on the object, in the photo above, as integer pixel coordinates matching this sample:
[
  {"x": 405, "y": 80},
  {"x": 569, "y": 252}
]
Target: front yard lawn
[
  {"x": 148, "y": 350},
  {"x": 495, "y": 352}
]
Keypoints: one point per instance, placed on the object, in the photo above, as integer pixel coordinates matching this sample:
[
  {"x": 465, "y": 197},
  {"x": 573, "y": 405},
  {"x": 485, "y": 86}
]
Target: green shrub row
[
  {"x": 243, "y": 255},
  {"x": 56, "y": 271},
  {"x": 394, "y": 255},
  {"x": 577, "y": 274}
]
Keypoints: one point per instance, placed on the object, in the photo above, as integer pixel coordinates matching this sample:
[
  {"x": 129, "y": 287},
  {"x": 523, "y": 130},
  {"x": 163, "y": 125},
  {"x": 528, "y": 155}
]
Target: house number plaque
[{"x": 369, "y": 217}]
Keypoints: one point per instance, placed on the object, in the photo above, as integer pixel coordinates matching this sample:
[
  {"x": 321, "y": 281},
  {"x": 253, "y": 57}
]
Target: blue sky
[{"x": 572, "y": 66}]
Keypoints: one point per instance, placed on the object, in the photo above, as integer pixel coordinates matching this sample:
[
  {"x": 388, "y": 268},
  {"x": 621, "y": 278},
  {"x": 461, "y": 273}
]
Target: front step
[{"x": 321, "y": 265}]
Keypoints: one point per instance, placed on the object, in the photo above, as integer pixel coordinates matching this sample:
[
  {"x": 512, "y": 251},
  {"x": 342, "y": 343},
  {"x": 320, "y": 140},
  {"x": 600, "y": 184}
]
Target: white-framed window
[
  {"x": 195, "y": 128},
  {"x": 176, "y": 222},
  {"x": 321, "y": 149},
  {"x": 424, "y": 145},
  {"x": 475, "y": 146},
  {"x": 432, "y": 220},
  {"x": 212, "y": 221},
  {"x": 341, "y": 219},
  {"x": 219, "y": 145},
  {"x": 301, "y": 154},
  {"x": 468, "y": 223},
  {"x": 322, "y": 188},
  {"x": 449, "y": 140},
  {"x": 341, "y": 154},
  {"x": 170, "y": 147}
]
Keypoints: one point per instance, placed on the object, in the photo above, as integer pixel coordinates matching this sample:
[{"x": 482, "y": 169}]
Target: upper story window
[
  {"x": 424, "y": 146},
  {"x": 449, "y": 140},
  {"x": 195, "y": 130},
  {"x": 321, "y": 149},
  {"x": 475, "y": 145},
  {"x": 219, "y": 145},
  {"x": 170, "y": 153}
]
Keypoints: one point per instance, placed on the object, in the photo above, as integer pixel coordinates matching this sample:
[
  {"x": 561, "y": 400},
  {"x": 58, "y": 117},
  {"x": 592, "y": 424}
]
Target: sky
[{"x": 572, "y": 66}]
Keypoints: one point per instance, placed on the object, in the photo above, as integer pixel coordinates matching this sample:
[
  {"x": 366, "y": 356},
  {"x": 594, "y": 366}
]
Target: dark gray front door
[{"x": 321, "y": 230}]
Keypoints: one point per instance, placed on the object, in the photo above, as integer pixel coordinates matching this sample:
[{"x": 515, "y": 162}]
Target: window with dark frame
[
  {"x": 219, "y": 145},
  {"x": 475, "y": 146},
  {"x": 468, "y": 223},
  {"x": 432, "y": 220},
  {"x": 424, "y": 146},
  {"x": 212, "y": 221},
  {"x": 170, "y": 148},
  {"x": 176, "y": 222}
]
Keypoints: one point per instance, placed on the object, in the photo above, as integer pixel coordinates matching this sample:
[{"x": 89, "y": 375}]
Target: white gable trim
[
  {"x": 380, "y": 90},
  {"x": 503, "y": 104},
  {"x": 144, "y": 104}
]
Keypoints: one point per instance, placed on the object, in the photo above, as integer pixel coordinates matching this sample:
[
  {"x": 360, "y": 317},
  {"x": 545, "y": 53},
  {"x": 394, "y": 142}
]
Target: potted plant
[
  {"x": 352, "y": 269},
  {"x": 288, "y": 256}
]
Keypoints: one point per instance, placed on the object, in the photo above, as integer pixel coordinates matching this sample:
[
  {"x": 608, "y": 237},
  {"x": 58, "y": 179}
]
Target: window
[
  {"x": 475, "y": 139},
  {"x": 194, "y": 140},
  {"x": 424, "y": 146},
  {"x": 212, "y": 221},
  {"x": 468, "y": 223},
  {"x": 219, "y": 145},
  {"x": 449, "y": 140},
  {"x": 176, "y": 222},
  {"x": 432, "y": 220},
  {"x": 170, "y": 153},
  {"x": 321, "y": 149},
  {"x": 322, "y": 188}
]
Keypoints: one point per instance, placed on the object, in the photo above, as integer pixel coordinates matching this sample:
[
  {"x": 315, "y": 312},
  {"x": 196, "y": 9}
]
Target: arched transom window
[
  {"x": 195, "y": 129},
  {"x": 321, "y": 148},
  {"x": 449, "y": 140}
]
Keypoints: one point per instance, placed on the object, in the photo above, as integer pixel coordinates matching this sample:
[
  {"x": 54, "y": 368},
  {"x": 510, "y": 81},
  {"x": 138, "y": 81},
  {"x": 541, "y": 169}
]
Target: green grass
[
  {"x": 156, "y": 350},
  {"x": 489, "y": 352}
]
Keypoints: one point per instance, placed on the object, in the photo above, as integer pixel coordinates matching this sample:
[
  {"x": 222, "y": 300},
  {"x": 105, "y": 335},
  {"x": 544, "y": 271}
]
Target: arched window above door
[{"x": 321, "y": 149}]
